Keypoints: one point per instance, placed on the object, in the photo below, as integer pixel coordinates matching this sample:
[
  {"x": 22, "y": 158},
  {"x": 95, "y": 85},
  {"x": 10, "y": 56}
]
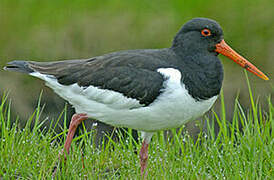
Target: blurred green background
[{"x": 56, "y": 29}]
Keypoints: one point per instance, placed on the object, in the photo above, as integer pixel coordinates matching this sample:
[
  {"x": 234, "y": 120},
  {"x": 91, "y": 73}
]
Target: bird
[{"x": 144, "y": 89}]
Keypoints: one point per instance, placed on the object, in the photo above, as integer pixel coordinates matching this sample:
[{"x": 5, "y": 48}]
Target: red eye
[{"x": 206, "y": 32}]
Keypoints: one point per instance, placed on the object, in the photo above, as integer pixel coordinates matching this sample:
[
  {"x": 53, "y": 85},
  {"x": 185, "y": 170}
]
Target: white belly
[{"x": 173, "y": 108}]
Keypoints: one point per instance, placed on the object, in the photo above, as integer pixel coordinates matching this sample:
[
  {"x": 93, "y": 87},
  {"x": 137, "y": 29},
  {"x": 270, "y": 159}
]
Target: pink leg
[
  {"x": 83, "y": 162},
  {"x": 75, "y": 121},
  {"x": 144, "y": 157}
]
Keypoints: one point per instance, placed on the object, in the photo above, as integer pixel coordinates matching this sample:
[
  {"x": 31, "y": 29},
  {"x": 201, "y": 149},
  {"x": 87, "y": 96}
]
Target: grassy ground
[{"x": 243, "y": 149}]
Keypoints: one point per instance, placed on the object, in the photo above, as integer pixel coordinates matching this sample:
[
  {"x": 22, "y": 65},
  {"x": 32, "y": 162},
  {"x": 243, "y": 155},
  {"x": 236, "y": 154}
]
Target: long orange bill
[{"x": 227, "y": 51}]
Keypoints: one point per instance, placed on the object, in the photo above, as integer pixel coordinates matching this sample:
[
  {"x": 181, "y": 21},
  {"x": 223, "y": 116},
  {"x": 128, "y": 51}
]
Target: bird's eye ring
[{"x": 206, "y": 32}]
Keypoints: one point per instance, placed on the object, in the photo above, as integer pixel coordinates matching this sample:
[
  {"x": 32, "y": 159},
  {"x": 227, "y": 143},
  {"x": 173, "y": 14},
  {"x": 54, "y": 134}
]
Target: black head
[
  {"x": 199, "y": 35},
  {"x": 201, "y": 39}
]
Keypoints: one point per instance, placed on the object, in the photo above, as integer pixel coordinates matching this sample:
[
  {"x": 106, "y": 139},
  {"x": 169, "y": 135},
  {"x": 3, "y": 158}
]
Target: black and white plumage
[
  {"x": 136, "y": 94},
  {"x": 147, "y": 90}
]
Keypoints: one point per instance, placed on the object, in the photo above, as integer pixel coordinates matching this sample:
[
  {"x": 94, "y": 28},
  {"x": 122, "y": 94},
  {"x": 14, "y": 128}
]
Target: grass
[{"x": 243, "y": 149}]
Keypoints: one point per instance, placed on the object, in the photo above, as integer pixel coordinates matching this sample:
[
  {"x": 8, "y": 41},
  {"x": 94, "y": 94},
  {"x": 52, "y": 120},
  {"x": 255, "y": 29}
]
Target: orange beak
[{"x": 227, "y": 51}]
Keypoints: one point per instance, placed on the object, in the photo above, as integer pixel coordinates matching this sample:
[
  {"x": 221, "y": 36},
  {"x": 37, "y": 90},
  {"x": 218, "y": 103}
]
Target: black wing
[
  {"x": 141, "y": 84},
  {"x": 133, "y": 75}
]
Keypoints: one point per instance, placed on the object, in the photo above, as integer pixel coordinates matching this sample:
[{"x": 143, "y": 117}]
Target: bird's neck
[{"x": 202, "y": 73}]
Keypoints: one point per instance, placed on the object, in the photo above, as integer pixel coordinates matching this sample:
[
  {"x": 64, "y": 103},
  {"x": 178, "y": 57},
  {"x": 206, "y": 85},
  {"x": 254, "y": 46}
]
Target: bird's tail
[{"x": 18, "y": 66}]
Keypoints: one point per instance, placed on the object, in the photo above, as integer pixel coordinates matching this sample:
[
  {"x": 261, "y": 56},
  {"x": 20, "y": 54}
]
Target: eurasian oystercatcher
[{"x": 148, "y": 90}]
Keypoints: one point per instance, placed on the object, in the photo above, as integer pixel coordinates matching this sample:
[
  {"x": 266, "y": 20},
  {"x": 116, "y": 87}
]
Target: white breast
[{"x": 172, "y": 108}]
